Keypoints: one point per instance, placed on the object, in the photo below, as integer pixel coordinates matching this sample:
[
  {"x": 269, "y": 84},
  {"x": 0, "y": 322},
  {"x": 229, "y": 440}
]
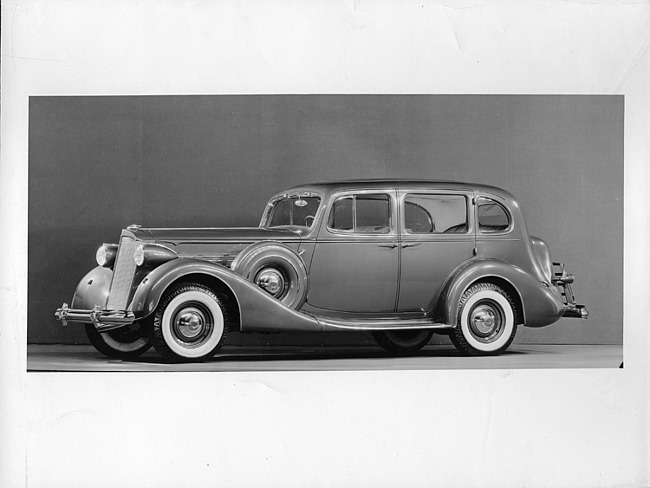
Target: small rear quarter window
[{"x": 492, "y": 216}]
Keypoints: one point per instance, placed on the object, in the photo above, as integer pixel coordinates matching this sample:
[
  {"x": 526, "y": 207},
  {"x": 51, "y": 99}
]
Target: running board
[{"x": 379, "y": 324}]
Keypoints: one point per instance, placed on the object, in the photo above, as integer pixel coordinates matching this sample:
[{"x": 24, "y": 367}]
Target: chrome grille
[{"x": 123, "y": 272}]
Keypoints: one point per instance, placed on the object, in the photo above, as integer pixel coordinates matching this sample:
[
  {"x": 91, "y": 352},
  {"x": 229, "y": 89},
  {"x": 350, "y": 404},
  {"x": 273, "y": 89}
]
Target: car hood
[{"x": 180, "y": 236}]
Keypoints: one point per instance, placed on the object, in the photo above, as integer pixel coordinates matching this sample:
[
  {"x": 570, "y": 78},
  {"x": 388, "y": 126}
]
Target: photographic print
[
  {"x": 389, "y": 219},
  {"x": 324, "y": 244}
]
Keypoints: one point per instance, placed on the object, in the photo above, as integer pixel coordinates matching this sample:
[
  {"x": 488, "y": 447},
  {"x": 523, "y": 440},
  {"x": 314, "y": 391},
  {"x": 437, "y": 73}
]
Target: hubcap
[
  {"x": 271, "y": 281},
  {"x": 191, "y": 324},
  {"x": 486, "y": 321}
]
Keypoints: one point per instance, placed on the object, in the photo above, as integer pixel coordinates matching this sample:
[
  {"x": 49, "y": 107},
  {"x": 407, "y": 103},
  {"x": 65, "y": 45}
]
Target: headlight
[
  {"x": 152, "y": 255},
  {"x": 105, "y": 255},
  {"x": 138, "y": 255}
]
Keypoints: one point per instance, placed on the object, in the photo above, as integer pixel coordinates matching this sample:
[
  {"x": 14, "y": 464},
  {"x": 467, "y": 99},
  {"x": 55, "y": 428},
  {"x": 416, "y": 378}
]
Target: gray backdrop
[{"x": 97, "y": 164}]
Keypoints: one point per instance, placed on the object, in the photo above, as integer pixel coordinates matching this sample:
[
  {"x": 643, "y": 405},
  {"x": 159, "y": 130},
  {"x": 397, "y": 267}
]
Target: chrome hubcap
[
  {"x": 190, "y": 323},
  {"x": 483, "y": 319},
  {"x": 271, "y": 281},
  {"x": 486, "y": 321}
]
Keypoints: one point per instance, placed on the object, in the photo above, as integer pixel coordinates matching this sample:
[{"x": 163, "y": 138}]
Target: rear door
[{"x": 437, "y": 234}]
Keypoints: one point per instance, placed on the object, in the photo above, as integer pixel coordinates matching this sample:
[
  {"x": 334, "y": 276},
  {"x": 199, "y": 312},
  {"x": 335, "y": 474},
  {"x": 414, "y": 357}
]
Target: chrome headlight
[
  {"x": 152, "y": 255},
  {"x": 138, "y": 255},
  {"x": 105, "y": 255}
]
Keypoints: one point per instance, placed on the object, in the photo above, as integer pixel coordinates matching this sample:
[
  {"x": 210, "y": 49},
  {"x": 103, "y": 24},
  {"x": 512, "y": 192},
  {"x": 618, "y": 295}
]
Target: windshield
[{"x": 291, "y": 210}]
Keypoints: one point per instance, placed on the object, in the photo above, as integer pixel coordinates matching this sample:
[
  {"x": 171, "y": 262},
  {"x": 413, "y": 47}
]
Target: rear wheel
[
  {"x": 190, "y": 323},
  {"x": 487, "y": 321},
  {"x": 129, "y": 341},
  {"x": 402, "y": 341}
]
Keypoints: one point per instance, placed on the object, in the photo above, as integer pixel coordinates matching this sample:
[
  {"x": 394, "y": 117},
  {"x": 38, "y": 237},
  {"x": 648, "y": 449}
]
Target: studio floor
[{"x": 330, "y": 358}]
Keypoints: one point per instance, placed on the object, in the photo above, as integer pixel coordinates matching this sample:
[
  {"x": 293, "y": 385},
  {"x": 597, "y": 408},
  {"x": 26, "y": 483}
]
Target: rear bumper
[
  {"x": 563, "y": 281},
  {"x": 103, "y": 320},
  {"x": 576, "y": 311}
]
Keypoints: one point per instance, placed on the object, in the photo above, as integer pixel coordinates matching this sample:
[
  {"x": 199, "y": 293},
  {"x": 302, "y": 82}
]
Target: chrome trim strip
[{"x": 379, "y": 324}]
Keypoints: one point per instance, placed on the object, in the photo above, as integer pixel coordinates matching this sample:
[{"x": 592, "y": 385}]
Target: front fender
[
  {"x": 539, "y": 304},
  {"x": 93, "y": 289},
  {"x": 257, "y": 309}
]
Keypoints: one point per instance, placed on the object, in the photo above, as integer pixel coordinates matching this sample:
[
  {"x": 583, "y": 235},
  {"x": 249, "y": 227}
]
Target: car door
[
  {"x": 436, "y": 231},
  {"x": 355, "y": 263}
]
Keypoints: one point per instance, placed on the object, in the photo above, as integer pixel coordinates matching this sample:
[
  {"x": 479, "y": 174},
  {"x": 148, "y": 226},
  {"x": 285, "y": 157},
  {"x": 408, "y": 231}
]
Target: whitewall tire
[
  {"x": 487, "y": 321},
  {"x": 190, "y": 323}
]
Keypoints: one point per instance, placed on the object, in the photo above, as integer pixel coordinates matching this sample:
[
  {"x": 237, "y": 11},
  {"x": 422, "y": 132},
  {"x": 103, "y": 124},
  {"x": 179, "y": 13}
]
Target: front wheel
[
  {"x": 190, "y": 323},
  {"x": 402, "y": 341},
  {"x": 486, "y": 322},
  {"x": 126, "y": 342}
]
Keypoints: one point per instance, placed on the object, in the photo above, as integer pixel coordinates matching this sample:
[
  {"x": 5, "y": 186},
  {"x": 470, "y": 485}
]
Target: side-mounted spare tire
[{"x": 275, "y": 268}]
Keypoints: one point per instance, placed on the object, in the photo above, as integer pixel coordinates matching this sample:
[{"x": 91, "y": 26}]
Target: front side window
[
  {"x": 292, "y": 210},
  {"x": 492, "y": 216},
  {"x": 365, "y": 214},
  {"x": 435, "y": 214}
]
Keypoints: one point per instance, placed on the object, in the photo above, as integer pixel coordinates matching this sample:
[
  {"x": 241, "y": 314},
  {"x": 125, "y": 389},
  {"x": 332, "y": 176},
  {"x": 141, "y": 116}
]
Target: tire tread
[
  {"x": 157, "y": 339},
  {"x": 456, "y": 335}
]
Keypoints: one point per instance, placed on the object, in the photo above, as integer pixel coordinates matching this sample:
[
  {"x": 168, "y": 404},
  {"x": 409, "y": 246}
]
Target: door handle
[
  {"x": 389, "y": 245},
  {"x": 410, "y": 244}
]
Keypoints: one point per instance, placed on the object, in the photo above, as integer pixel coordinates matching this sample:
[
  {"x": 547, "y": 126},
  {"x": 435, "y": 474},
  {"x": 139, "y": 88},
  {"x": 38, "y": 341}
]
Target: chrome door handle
[
  {"x": 410, "y": 244},
  {"x": 390, "y": 245}
]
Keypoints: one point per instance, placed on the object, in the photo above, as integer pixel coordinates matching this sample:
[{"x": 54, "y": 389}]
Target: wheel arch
[
  {"x": 498, "y": 273},
  {"x": 218, "y": 286},
  {"x": 150, "y": 292}
]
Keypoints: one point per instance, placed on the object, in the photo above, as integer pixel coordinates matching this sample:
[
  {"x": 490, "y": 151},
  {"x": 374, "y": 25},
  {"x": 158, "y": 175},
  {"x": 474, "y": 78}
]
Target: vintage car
[{"x": 399, "y": 259}]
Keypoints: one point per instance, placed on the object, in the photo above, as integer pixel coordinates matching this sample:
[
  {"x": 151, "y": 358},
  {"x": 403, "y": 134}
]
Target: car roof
[{"x": 328, "y": 187}]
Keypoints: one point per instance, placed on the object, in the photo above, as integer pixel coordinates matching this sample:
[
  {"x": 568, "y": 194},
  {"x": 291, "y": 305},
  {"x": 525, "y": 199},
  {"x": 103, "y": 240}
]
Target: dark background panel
[
  {"x": 98, "y": 164},
  {"x": 84, "y": 184}
]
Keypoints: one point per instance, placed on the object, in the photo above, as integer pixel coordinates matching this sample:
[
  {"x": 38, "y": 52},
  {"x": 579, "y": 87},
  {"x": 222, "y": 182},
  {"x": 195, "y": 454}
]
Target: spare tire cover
[{"x": 269, "y": 255}]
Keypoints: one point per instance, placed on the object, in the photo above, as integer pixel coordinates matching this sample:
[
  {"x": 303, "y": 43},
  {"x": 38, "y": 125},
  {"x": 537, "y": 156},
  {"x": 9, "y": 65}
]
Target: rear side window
[
  {"x": 492, "y": 216},
  {"x": 435, "y": 214},
  {"x": 365, "y": 214}
]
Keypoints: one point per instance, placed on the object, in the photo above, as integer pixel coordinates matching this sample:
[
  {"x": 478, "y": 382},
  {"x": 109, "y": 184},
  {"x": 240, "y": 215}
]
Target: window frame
[
  {"x": 506, "y": 210},
  {"x": 469, "y": 214},
  {"x": 353, "y": 194},
  {"x": 267, "y": 215}
]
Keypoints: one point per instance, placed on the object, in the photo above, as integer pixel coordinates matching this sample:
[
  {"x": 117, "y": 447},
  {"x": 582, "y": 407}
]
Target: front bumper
[
  {"x": 563, "y": 281},
  {"x": 103, "y": 320}
]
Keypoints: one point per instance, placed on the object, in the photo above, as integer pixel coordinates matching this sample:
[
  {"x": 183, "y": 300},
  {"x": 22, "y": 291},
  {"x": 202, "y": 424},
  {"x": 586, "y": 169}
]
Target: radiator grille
[{"x": 123, "y": 273}]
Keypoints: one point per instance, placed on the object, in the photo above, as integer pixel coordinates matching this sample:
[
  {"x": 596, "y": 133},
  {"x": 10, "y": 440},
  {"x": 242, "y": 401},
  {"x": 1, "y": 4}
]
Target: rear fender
[
  {"x": 538, "y": 305},
  {"x": 257, "y": 309}
]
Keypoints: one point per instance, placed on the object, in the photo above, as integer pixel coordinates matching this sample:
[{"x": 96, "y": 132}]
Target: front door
[
  {"x": 355, "y": 263},
  {"x": 436, "y": 236}
]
